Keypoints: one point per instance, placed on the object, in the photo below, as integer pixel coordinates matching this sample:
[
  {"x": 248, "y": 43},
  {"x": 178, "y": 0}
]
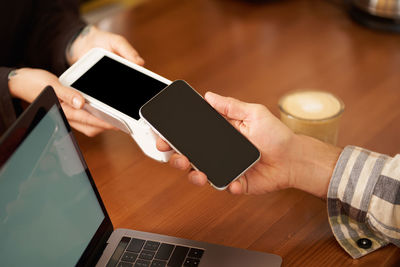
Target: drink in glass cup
[{"x": 313, "y": 113}]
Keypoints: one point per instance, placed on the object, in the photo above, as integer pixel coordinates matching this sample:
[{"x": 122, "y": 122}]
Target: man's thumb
[{"x": 227, "y": 106}]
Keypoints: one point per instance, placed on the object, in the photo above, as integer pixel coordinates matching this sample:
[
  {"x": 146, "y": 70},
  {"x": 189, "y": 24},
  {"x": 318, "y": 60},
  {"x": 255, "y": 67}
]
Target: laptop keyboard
[{"x": 134, "y": 252}]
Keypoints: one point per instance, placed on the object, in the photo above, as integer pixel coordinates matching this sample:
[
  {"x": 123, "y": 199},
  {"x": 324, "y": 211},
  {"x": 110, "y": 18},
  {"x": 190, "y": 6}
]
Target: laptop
[{"x": 51, "y": 213}]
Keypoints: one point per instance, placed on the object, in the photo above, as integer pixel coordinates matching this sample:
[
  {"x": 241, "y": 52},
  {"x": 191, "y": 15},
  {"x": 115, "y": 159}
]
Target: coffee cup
[{"x": 313, "y": 113}]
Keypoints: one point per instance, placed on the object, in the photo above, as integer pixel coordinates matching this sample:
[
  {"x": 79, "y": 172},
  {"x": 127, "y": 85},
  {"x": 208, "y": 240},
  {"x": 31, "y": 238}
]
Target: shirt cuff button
[{"x": 364, "y": 243}]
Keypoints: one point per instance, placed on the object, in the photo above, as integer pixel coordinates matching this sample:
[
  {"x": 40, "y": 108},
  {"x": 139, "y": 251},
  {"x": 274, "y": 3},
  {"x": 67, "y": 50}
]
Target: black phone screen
[
  {"x": 200, "y": 133},
  {"x": 118, "y": 86}
]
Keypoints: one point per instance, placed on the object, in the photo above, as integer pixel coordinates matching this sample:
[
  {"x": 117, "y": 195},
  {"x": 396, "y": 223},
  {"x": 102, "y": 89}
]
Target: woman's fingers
[{"x": 83, "y": 117}]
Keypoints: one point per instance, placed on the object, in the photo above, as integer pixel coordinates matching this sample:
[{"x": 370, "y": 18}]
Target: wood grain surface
[{"x": 255, "y": 51}]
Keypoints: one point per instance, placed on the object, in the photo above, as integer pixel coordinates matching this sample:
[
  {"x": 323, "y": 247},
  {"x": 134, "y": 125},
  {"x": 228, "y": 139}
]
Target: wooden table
[{"x": 255, "y": 51}]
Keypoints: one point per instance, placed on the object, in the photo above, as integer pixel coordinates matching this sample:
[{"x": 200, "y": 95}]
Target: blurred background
[
  {"x": 377, "y": 14},
  {"x": 95, "y": 10}
]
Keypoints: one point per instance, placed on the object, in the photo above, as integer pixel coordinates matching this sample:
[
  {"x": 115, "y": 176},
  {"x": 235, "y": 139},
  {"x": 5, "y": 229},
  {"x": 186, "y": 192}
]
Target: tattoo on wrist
[
  {"x": 85, "y": 31},
  {"x": 12, "y": 74}
]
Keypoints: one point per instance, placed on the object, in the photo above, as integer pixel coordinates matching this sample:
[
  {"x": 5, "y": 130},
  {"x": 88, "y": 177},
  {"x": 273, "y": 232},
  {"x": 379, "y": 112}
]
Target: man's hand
[
  {"x": 91, "y": 37},
  {"x": 260, "y": 127},
  {"x": 27, "y": 84},
  {"x": 287, "y": 159}
]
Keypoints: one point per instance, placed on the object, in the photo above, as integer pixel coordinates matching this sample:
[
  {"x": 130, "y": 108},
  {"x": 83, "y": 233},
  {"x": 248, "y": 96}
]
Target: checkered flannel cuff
[{"x": 351, "y": 189}]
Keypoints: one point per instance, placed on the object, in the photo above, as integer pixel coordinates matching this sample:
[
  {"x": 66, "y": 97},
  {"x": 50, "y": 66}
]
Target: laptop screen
[{"x": 49, "y": 211}]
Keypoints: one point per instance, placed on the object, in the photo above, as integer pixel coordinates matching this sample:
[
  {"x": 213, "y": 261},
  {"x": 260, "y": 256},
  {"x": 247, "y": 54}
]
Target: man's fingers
[
  {"x": 179, "y": 162},
  {"x": 228, "y": 106},
  {"x": 162, "y": 145},
  {"x": 238, "y": 187},
  {"x": 197, "y": 178}
]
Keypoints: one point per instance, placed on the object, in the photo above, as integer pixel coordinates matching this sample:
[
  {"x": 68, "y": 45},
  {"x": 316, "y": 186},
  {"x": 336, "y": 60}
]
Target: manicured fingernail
[{"x": 76, "y": 102}]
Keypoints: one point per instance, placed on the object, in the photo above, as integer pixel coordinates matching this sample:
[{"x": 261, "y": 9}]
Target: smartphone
[
  {"x": 192, "y": 127},
  {"x": 114, "y": 90}
]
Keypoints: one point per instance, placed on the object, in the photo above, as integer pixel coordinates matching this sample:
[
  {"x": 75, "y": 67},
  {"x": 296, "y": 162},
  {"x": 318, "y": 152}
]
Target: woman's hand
[
  {"x": 92, "y": 37},
  {"x": 27, "y": 83}
]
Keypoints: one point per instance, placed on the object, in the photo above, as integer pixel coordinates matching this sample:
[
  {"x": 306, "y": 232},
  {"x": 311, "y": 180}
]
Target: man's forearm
[{"x": 313, "y": 165}]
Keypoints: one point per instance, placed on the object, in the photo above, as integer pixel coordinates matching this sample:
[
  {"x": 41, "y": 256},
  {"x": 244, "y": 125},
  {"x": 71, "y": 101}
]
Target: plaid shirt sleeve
[{"x": 364, "y": 201}]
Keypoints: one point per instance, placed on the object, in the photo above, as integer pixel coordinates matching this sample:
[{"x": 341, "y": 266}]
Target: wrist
[
  {"x": 312, "y": 165},
  {"x": 73, "y": 45},
  {"x": 11, "y": 74},
  {"x": 13, "y": 77}
]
